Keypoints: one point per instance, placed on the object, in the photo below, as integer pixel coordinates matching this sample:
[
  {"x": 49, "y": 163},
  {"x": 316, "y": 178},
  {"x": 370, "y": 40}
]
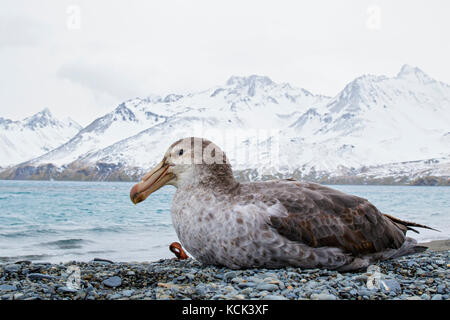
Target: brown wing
[{"x": 321, "y": 216}]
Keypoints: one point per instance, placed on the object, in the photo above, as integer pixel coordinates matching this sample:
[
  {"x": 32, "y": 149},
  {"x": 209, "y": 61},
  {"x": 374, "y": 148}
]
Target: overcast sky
[{"x": 82, "y": 58}]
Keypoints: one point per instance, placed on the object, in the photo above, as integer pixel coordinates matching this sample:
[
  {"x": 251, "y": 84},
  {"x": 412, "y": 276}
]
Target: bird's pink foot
[{"x": 176, "y": 248}]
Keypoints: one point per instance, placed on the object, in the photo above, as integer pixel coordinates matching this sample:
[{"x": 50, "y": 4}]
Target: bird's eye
[{"x": 180, "y": 153}]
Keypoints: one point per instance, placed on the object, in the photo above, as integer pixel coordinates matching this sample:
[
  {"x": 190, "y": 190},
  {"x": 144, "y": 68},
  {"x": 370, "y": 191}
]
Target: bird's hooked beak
[{"x": 151, "y": 182}]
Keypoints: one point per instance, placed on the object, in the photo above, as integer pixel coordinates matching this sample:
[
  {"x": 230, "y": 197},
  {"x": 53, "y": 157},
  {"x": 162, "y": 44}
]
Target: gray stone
[
  {"x": 7, "y": 287},
  {"x": 127, "y": 293},
  {"x": 11, "y": 268},
  {"x": 18, "y": 296},
  {"x": 365, "y": 292},
  {"x": 229, "y": 275},
  {"x": 246, "y": 285},
  {"x": 254, "y": 279},
  {"x": 113, "y": 282},
  {"x": 40, "y": 276},
  {"x": 200, "y": 290},
  {"x": 274, "y": 297},
  {"x": 390, "y": 285},
  {"x": 413, "y": 298},
  {"x": 361, "y": 278},
  {"x": 25, "y": 271},
  {"x": 323, "y": 296},
  {"x": 311, "y": 285},
  {"x": 437, "y": 297},
  {"x": 247, "y": 291},
  {"x": 67, "y": 290},
  {"x": 274, "y": 275},
  {"x": 412, "y": 264},
  {"x": 180, "y": 278},
  {"x": 267, "y": 286},
  {"x": 420, "y": 272},
  {"x": 105, "y": 261},
  {"x": 425, "y": 297},
  {"x": 440, "y": 288},
  {"x": 190, "y": 276}
]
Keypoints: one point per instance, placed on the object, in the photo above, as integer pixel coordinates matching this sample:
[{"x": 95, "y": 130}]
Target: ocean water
[{"x": 62, "y": 221}]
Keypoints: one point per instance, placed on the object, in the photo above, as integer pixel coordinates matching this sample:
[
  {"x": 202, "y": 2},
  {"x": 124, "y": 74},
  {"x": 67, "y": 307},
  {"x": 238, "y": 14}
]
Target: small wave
[
  {"x": 28, "y": 233},
  {"x": 31, "y": 257},
  {"x": 435, "y": 214},
  {"x": 99, "y": 251},
  {"x": 114, "y": 229},
  {"x": 66, "y": 243}
]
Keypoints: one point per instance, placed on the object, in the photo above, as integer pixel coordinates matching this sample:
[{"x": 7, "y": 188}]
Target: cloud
[
  {"x": 125, "y": 49},
  {"x": 103, "y": 78},
  {"x": 21, "y": 31}
]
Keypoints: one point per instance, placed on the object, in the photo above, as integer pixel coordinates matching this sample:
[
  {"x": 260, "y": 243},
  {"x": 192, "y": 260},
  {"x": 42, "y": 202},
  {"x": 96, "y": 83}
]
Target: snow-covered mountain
[
  {"x": 128, "y": 119},
  {"x": 385, "y": 128},
  {"x": 33, "y": 136},
  {"x": 233, "y": 105},
  {"x": 377, "y": 120}
]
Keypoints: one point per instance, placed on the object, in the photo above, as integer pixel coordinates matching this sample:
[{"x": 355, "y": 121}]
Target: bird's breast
[{"x": 197, "y": 218}]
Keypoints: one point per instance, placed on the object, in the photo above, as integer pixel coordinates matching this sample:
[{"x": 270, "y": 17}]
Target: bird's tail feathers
[{"x": 407, "y": 225}]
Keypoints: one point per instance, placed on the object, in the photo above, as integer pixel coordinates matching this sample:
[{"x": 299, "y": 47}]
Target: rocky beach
[{"x": 422, "y": 276}]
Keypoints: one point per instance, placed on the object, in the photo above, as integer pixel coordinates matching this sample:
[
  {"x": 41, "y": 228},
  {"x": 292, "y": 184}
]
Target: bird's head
[{"x": 188, "y": 161}]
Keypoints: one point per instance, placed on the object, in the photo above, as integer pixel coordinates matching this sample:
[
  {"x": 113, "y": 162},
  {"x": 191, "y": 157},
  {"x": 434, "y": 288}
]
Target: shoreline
[
  {"x": 422, "y": 276},
  {"x": 430, "y": 181},
  {"x": 437, "y": 245}
]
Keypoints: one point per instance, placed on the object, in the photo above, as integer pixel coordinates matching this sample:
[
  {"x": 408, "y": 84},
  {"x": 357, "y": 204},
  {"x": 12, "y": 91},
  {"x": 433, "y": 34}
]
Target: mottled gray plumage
[{"x": 279, "y": 223}]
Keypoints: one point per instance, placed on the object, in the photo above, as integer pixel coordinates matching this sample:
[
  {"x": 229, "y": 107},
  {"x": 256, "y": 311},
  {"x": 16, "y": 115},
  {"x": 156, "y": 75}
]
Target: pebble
[
  {"x": 67, "y": 290},
  {"x": 12, "y": 268},
  {"x": 100, "y": 260},
  {"x": 417, "y": 277},
  {"x": 425, "y": 297},
  {"x": 113, "y": 282},
  {"x": 267, "y": 286},
  {"x": 274, "y": 297},
  {"x": 115, "y": 296},
  {"x": 323, "y": 296},
  {"x": 391, "y": 285},
  {"x": 229, "y": 275},
  {"x": 127, "y": 293},
  {"x": 7, "y": 287},
  {"x": 420, "y": 272},
  {"x": 440, "y": 288},
  {"x": 18, "y": 296},
  {"x": 40, "y": 276},
  {"x": 243, "y": 285},
  {"x": 200, "y": 290}
]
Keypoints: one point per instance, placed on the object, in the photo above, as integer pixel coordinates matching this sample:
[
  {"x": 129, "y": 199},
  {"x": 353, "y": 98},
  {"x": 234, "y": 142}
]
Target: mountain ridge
[
  {"x": 374, "y": 122},
  {"x": 22, "y": 140}
]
